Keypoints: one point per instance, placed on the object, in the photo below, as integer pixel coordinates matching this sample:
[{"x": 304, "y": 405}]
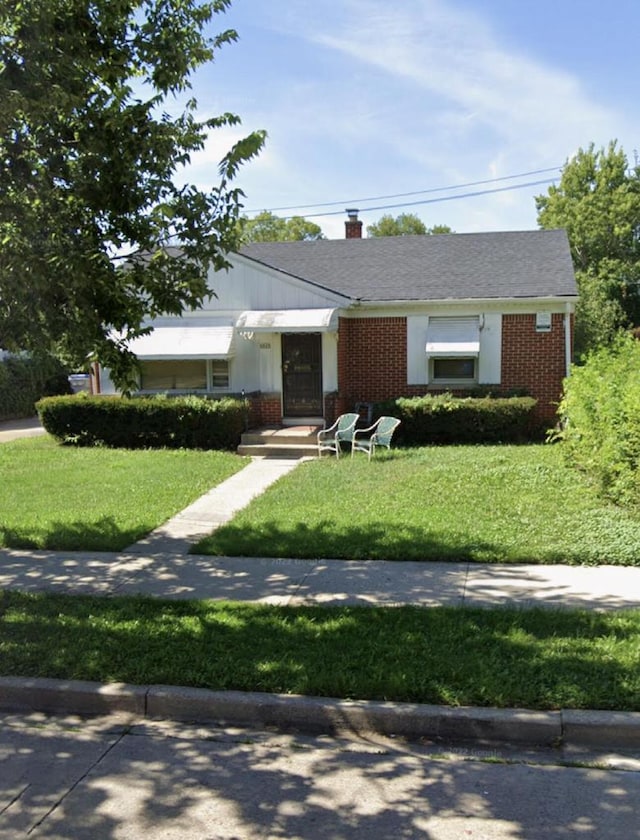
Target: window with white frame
[
  {"x": 453, "y": 347},
  {"x": 184, "y": 375}
]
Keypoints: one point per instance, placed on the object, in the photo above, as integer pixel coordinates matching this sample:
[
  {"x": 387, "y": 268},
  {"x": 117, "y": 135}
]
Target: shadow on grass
[
  {"x": 538, "y": 658},
  {"x": 103, "y": 534},
  {"x": 370, "y": 542}
]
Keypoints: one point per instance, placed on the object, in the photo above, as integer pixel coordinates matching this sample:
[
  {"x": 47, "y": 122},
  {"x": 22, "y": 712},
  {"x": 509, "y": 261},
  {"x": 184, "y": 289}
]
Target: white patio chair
[
  {"x": 331, "y": 439},
  {"x": 380, "y": 434}
]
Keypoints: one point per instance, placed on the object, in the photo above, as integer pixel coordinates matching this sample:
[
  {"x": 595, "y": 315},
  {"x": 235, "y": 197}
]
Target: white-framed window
[
  {"x": 453, "y": 348},
  {"x": 184, "y": 374},
  {"x": 219, "y": 374},
  {"x": 456, "y": 369}
]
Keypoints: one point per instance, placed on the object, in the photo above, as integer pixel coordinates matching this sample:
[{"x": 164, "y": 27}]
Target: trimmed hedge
[
  {"x": 143, "y": 422},
  {"x": 23, "y": 381},
  {"x": 600, "y": 414},
  {"x": 443, "y": 418}
]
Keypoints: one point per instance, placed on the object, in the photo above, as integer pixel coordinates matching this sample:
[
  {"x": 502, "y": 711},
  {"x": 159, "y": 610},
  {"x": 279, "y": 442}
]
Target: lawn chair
[
  {"x": 379, "y": 434},
  {"x": 331, "y": 439}
]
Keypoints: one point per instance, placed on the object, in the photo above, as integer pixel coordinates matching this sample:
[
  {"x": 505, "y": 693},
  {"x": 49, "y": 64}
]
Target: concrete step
[
  {"x": 281, "y": 442},
  {"x": 279, "y": 450}
]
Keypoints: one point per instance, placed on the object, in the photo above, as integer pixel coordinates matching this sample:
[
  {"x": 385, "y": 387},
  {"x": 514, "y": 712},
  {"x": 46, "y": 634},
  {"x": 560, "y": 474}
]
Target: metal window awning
[
  {"x": 287, "y": 321},
  {"x": 453, "y": 337},
  {"x": 185, "y": 342}
]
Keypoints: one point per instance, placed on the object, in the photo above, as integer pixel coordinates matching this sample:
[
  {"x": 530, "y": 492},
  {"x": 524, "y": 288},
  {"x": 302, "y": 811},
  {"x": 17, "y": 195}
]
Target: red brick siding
[
  {"x": 534, "y": 360},
  {"x": 266, "y": 409},
  {"x": 372, "y": 359}
]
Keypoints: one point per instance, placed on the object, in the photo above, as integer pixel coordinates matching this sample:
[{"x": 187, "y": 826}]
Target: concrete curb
[{"x": 324, "y": 715}]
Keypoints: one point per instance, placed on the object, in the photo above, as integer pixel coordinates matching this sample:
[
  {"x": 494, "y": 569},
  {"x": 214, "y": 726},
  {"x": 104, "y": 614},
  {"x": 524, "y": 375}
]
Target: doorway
[{"x": 302, "y": 374}]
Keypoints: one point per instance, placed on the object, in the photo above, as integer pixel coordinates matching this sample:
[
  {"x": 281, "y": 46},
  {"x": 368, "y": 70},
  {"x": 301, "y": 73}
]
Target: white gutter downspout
[{"x": 567, "y": 338}]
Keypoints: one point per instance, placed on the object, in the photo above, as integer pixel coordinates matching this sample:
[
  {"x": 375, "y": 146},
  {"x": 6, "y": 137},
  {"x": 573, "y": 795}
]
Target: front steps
[{"x": 281, "y": 442}]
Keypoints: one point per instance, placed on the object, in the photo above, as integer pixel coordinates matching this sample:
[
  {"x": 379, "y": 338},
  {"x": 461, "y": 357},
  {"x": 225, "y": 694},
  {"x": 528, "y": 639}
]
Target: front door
[{"x": 302, "y": 374}]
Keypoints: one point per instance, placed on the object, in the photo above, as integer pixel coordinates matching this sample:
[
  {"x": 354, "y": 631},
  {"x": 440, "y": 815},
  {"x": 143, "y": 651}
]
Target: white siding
[
  {"x": 247, "y": 287},
  {"x": 416, "y": 355},
  {"x": 490, "y": 358},
  {"x": 329, "y": 362}
]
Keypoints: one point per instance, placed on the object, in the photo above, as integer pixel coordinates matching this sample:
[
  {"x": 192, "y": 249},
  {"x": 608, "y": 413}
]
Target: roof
[{"x": 456, "y": 266}]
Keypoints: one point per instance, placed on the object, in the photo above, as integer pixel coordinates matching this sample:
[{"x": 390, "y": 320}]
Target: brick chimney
[{"x": 353, "y": 226}]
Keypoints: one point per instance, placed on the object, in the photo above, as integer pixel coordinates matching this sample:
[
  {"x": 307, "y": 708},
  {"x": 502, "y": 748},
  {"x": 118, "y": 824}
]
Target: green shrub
[
  {"x": 600, "y": 419},
  {"x": 141, "y": 422},
  {"x": 23, "y": 381},
  {"x": 443, "y": 418}
]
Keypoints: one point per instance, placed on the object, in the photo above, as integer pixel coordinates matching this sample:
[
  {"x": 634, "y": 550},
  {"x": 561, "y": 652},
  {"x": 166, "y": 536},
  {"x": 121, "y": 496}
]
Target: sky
[{"x": 368, "y": 101}]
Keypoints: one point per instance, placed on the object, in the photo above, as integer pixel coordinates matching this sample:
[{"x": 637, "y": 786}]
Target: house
[{"x": 308, "y": 329}]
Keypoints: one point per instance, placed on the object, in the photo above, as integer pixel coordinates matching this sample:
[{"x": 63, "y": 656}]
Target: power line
[
  {"x": 353, "y": 201},
  {"x": 434, "y": 200}
]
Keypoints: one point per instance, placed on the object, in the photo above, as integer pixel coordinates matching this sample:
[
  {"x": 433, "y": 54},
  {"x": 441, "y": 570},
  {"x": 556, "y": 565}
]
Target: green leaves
[
  {"x": 601, "y": 419},
  {"x": 598, "y": 202},
  {"x": 266, "y": 227},
  {"x": 406, "y": 224},
  {"x": 87, "y": 161}
]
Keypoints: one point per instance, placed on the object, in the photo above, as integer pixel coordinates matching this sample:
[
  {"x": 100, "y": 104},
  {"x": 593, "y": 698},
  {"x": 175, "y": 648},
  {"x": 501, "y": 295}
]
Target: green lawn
[
  {"x": 538, "y": 659},
  {"x": 510, "y": 504},
  {"x": 99, "y": 499}
]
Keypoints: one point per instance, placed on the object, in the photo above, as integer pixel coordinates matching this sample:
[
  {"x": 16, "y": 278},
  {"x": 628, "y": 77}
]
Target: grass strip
[
  {"x": 538, "y": 659},
  {"x": 511, "y": 504},
  {"x": 98, "y": 499}
]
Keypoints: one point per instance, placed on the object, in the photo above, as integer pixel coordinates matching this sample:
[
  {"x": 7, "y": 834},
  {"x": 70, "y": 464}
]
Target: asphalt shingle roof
[{"x": 457, "y": 266}]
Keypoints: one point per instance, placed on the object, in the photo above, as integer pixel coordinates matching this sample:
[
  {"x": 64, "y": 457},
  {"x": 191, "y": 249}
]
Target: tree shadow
[
  {"x": 157, "y": 781},
  {"x": 101, "y": 534},
  {"x": 538, "y": 658},
  {"x": 389, "y": 541}
]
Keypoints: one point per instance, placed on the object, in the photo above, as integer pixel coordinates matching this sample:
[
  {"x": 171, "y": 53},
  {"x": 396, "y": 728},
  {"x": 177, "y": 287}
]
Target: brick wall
[
  {"x": 266, "y": 410},
  {"x": 534, "y": 360},
  {"x": 372, "y": 359}
]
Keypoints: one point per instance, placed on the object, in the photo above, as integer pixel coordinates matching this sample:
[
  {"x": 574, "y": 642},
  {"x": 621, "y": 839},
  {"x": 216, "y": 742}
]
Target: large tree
[
  {"x": 598, "y": 202},
  {"x": 406, "y": 224},
  {"x": 90, "y": 199},
  {"x": 267, "y": 227}
]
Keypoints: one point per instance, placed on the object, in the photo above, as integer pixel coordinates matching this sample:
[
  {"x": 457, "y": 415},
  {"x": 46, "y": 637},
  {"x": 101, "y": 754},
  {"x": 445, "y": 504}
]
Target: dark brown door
[{"x": 302, "y": 374}]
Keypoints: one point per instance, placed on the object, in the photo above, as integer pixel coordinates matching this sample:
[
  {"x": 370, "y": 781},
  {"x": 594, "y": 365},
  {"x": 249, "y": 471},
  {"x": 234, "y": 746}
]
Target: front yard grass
[
  {"x": 98, "y": 499},
  {"x": 536, "y": 659},
  {"x": 507, "y": 504}
]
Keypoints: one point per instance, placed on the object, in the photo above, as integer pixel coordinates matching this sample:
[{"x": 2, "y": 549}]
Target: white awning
[
  {"x": 453, "y": 337},
  {"x": 185, "y": 342},
  {"x": 288, "y": 320}
]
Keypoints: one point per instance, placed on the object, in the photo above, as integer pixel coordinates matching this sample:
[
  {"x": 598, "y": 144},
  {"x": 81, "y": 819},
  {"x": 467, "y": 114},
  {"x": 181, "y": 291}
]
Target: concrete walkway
[
  {"x": 290, "y": 581},
  {"x": 159, "y": 566},
  {"x": 215, "y": 508},
  {"x": 24, "y": 427}
]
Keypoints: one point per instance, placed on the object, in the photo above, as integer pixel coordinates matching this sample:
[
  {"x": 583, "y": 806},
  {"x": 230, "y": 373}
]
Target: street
[{"x": 64, "y": 777}]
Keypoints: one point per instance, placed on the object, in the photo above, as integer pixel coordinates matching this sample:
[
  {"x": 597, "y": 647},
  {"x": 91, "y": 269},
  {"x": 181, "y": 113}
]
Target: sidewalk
[
  {"x": 290, "y": 581},
  {"x": 159, "y": 566}
]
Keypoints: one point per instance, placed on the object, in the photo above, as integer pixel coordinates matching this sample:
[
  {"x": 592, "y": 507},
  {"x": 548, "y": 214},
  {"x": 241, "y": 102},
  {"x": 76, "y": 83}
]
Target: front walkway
[
  {"x": 159, "y": 565},
  {"x": 217, "y": 506}
]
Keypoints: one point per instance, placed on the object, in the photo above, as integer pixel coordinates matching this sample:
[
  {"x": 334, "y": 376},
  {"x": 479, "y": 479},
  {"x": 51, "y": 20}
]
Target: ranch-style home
[{"x": 308, "y": 329}]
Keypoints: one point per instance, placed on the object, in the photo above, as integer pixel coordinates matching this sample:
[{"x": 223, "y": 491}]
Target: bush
[
  {"x": 142, "y": 422},
  {"x": 23, "y": 381},
  {"x": 443, "y": 418},
  {"x": 600, "y": 419}
]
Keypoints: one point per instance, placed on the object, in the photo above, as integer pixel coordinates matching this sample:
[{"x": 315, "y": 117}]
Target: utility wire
[
  {"x": 433, "y": 200},
  {"x": 352, "y": 202}
]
